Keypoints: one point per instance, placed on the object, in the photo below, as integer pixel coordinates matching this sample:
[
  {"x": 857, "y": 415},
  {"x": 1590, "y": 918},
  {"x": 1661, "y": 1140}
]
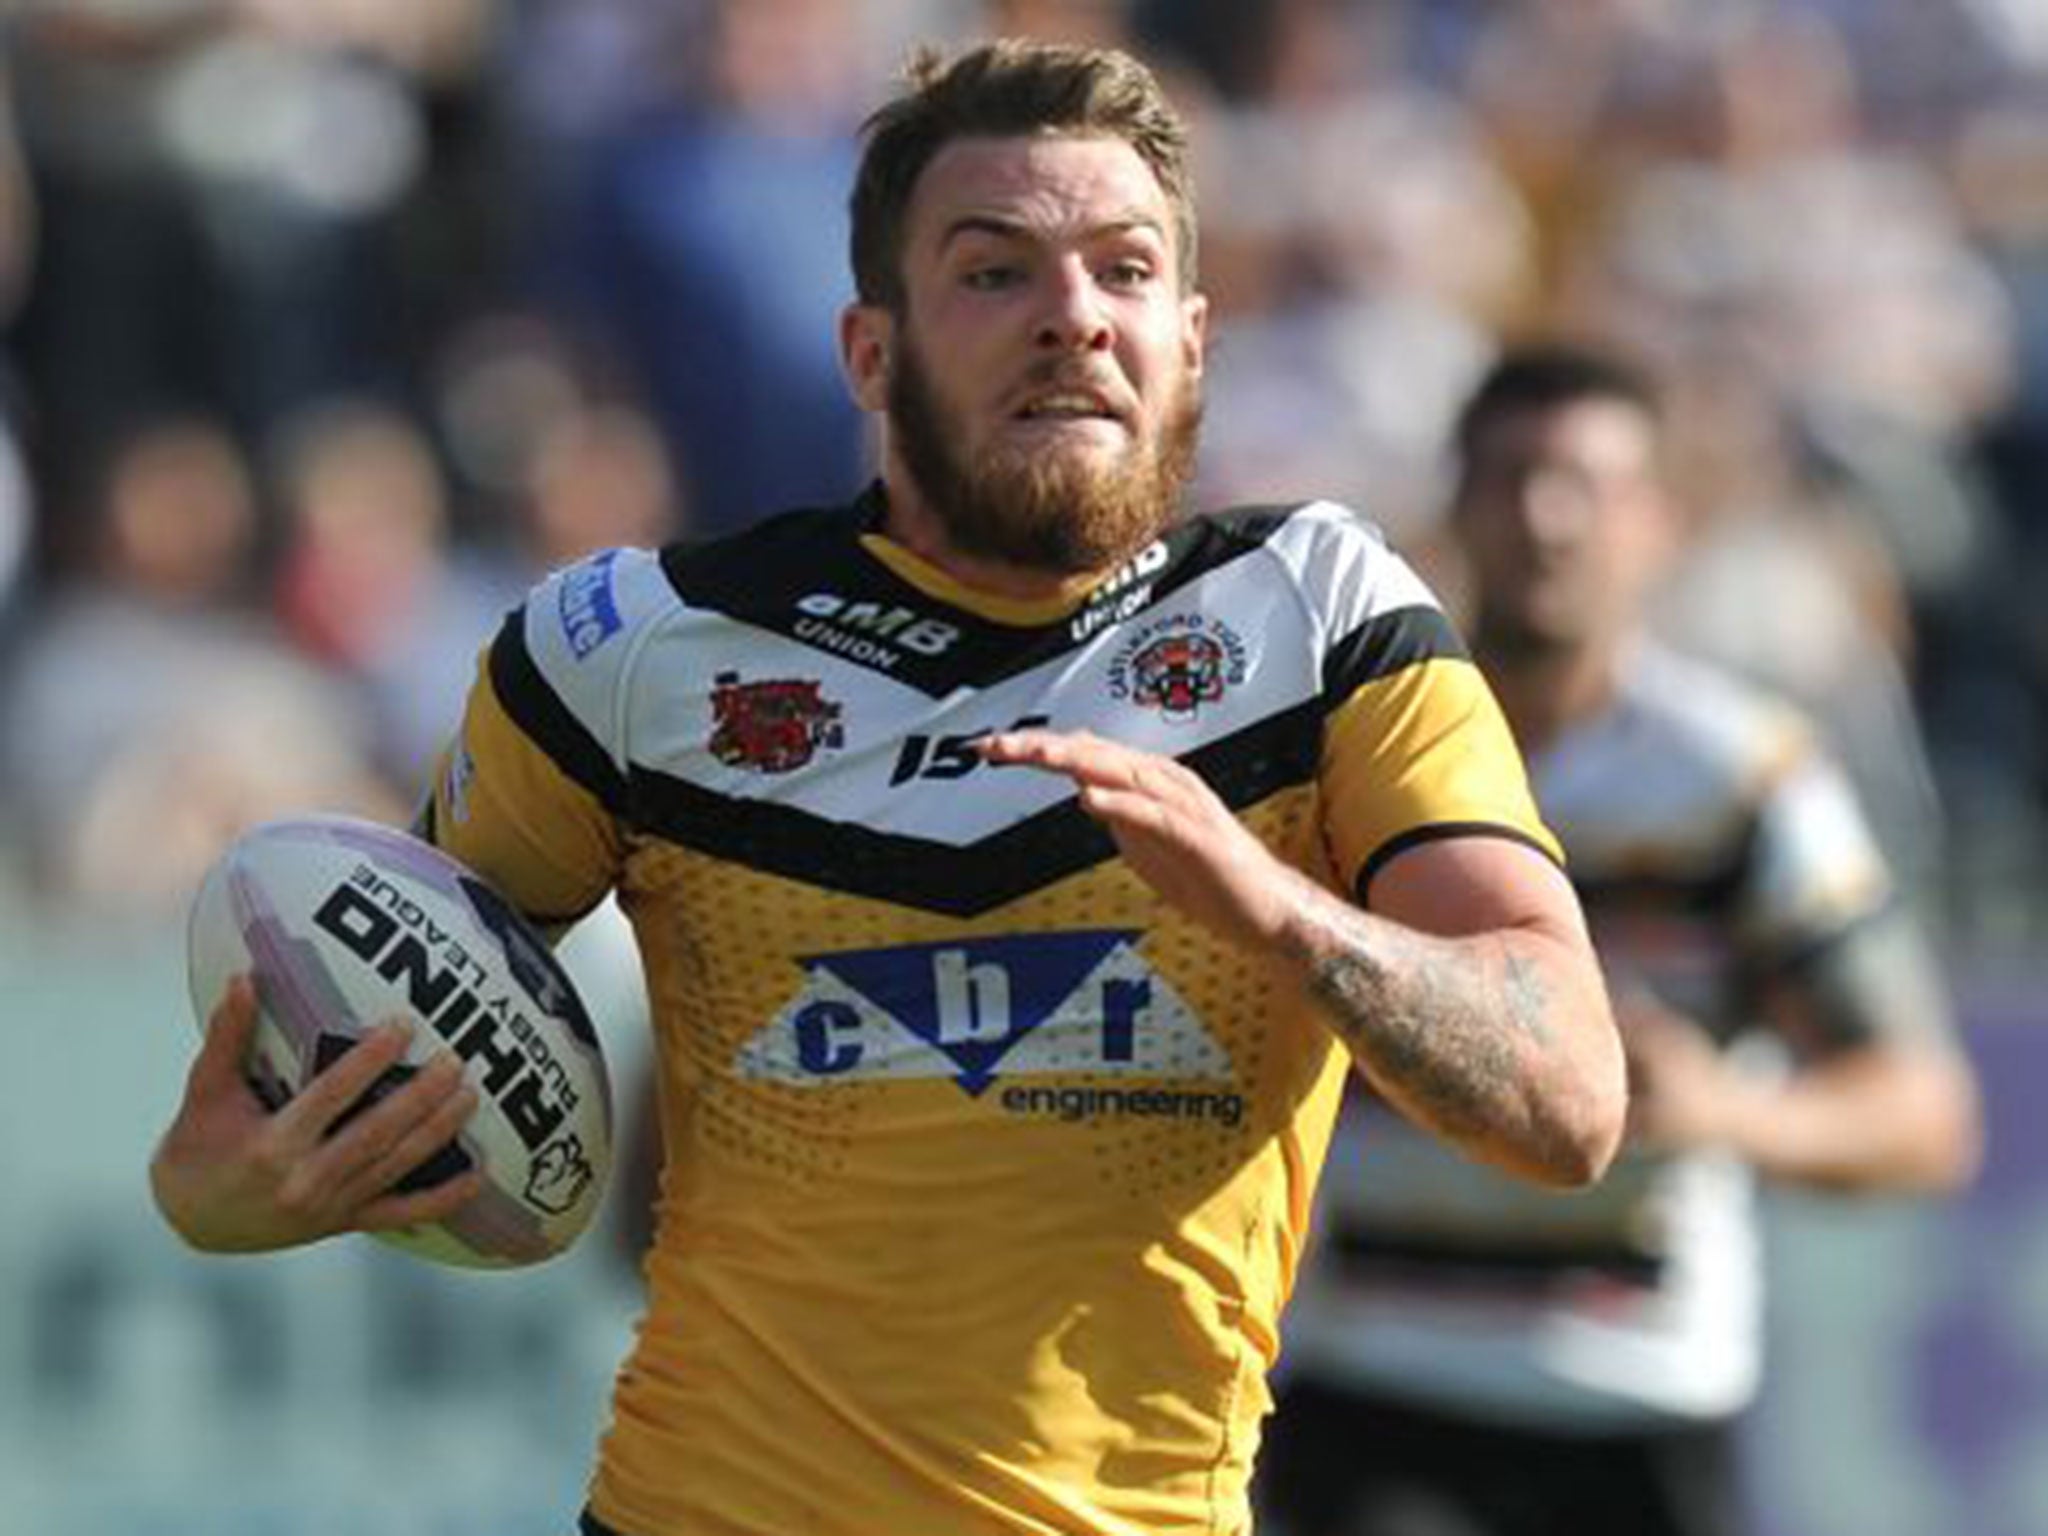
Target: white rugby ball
[{"x": 346, "y": 923}]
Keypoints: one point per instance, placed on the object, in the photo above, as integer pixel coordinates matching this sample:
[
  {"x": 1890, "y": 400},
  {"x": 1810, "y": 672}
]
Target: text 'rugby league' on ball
[{"x": 345, "y": 923}]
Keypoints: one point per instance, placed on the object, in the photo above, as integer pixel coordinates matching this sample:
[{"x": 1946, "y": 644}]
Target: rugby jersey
[
  {"x": 1716, "y": 847},
  {"x": 987, "y": 1172}
]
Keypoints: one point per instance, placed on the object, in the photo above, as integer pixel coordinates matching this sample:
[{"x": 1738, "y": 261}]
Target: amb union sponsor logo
[
  {"x": 873, "y": 634},
  {"x": 1126, "y": 592},
  {"x": 982, "y": 1010},
  {"x": 1177, "y": 664},
  {"x": 773, "y": 726}
]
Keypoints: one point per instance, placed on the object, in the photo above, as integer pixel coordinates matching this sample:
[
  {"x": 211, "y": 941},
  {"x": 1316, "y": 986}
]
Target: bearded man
[{"x": 1019, "y": 864}]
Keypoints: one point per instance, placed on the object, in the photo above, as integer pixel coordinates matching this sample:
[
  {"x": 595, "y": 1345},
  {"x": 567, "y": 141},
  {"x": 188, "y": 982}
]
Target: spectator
[
  {"x": 151, "y": 716},
  {"x": 371, "y": 583},
  {"x": 708, "y": 248},
  {"x": 223, "y": 186}
]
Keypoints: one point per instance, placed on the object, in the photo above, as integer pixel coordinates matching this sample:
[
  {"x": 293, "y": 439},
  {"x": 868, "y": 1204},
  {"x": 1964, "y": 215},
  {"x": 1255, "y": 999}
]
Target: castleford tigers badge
[
  {"x": 773, "y": 726},
  {"x": 1177, "y": 664}
]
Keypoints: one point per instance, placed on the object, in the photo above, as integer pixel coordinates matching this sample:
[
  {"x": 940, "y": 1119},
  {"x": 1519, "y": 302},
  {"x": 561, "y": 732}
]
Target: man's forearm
[
  {"x": 1499, "y": 1042},
  {"x": 1886, "y": 1119}
]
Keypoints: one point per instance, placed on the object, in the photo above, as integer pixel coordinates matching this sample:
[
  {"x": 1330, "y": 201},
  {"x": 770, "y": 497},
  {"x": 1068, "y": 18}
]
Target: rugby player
[{"x": 1020, "y": 865}]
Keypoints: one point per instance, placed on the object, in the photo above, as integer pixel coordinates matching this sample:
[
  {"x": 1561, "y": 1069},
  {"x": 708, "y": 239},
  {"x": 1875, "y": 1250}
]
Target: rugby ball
[{"x": 346, "y": 923}]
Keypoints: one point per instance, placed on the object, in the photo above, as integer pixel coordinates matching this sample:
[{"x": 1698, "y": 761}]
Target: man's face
[
  {"x": 1042, "y": 384},
  {"x": 1563, "y": 523}
]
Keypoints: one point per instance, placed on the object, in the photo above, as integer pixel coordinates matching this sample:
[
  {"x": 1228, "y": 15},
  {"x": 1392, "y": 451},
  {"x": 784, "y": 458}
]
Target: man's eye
[
  {"x": 990, "y": 278},
  {"x": 1127, "y": 274}
]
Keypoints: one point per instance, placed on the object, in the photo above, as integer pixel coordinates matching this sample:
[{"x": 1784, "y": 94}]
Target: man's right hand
[{"x": 230, "y": 1176}]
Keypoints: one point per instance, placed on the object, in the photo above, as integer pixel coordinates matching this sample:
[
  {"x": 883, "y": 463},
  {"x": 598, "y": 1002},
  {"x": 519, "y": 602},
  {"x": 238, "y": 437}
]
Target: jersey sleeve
[
  {"x": 1814, "y": 870},
  {"x": 1415, "y": 745},
  {"x": 1821, "y": 917},
  {"x": 531, "y": 793}
]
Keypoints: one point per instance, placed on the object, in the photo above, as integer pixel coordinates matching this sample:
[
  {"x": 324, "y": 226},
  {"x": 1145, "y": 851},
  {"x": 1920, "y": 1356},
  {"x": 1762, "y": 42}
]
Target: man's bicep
[
  {"x": 1419, "y": 756},
  {"x": 1476, "y": 882},
  {"x": 502, "y": 806}
]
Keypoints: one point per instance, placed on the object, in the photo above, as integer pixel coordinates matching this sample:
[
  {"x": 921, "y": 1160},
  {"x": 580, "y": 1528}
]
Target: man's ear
[
  {"x": 867, "y": 337},
  {"x": 1194, "y": 333}
]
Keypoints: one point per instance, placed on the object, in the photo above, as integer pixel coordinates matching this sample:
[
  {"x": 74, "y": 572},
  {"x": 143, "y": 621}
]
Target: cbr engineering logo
[{"x": 1031, "y": 1005}]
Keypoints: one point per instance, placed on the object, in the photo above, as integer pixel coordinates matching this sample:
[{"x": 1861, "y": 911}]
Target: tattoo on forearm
[
  {"x": 1528, "y": 997},
  {"x": 1447, "y": 1033}
]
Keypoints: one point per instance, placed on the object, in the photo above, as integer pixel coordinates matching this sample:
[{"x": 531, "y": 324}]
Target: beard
[
  {"x": 1513, "y": 637},
  {"x": 1521, "y": 628},
  {"x": 1068, "y": 513}
]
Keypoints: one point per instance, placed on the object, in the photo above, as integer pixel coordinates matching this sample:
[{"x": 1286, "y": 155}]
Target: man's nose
[
  {"x": 1075, "y": 317},
  {"x": 1552, "y": 507}
]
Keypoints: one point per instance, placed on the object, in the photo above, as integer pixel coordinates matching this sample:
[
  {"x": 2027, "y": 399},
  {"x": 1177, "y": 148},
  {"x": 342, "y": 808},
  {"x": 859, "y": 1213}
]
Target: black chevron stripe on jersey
[
  {"x": 1277, "y": 753},
  {"x": 1384, "y": 644},
  {"x": 801, "y": 573},
  {"x": 539, "y": 711},
  {"x": 955, "y": 880}
]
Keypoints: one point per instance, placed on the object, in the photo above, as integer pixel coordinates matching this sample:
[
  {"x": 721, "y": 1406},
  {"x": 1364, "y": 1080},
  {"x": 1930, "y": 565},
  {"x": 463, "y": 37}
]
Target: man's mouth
[{"x": 1067, "y": 405}]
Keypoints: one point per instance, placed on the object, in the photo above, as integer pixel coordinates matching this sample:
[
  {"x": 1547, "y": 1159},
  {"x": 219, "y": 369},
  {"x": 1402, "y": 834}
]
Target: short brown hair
[
  {"x": 1007, "y": 89},
  {"x": 1545, "y": 375}
]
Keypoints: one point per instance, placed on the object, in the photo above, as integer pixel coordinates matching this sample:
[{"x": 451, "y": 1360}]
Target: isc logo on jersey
[{"x": 1032, "y": 1005}]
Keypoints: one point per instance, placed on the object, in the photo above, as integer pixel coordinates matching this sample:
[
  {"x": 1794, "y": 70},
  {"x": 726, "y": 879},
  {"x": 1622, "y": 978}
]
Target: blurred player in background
[
  {"x": 1471, "y": 1358},
  {"x": 1018, "y": 866}
]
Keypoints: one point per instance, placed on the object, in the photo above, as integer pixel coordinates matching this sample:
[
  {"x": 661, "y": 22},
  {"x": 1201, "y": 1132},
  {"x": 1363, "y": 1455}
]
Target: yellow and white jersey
[
  {"x": 987, "y": 1172},
  {"x": 1718, "y": 852}
]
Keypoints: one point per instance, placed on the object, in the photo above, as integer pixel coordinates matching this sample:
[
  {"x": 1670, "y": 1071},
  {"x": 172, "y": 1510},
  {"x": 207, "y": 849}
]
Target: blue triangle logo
[{"x": 976, "y": 998}]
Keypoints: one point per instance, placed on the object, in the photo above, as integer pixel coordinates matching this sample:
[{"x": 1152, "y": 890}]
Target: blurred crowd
[{"x": 329, "y": 324}]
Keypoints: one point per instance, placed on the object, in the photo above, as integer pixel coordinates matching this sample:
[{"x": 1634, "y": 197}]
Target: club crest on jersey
[
  {"x": 773, "y": 726},
  {"x": 1177, "y": 664},
  {"x": 1033, "y": 1005}
]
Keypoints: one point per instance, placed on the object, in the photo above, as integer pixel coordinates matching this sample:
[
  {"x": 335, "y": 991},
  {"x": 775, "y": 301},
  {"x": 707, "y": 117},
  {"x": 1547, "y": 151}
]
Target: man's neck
[
  {"x": 1546, "y": 693},
  {"x": 910, "y": 520}
]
